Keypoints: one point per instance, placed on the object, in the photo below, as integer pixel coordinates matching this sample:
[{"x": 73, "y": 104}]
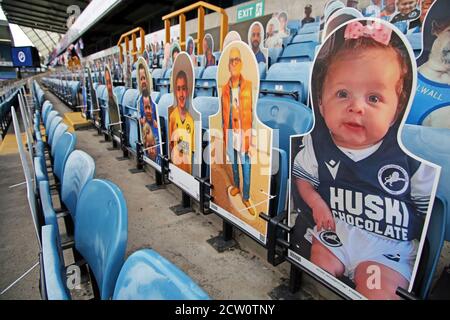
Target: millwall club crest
[
  {"x": 330, "y": 238},
  {"x": 393, "y": 179}
]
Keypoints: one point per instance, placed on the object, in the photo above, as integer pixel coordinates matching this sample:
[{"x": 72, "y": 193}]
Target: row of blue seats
[
  {"x": 97, "y": 210},
  {"x": 67, "y": 91},
  {"x": 8, "y": 100}
]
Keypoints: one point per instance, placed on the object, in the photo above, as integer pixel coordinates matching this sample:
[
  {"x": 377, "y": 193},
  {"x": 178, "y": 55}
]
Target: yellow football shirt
[{"x": 182, "y": 141}]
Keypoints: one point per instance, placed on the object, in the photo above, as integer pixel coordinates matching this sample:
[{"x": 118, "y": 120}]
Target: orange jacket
[{"x": 245, "y": 111}]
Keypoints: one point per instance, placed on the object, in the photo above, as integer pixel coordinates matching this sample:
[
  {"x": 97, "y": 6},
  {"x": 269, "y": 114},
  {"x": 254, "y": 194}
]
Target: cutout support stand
[{"x": 224, "y": 240}]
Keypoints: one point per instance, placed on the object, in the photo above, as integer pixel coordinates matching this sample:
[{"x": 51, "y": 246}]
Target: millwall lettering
[
  {"x": 381, "y": 215},
  {"x": 429, "y": 92}
]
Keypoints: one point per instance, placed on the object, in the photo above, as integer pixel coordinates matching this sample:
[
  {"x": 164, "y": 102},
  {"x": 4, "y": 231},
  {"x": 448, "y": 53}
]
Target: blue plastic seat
[
  {"x": 78, "y": 170},
  {"x": 310, "y": 28},
  {"x": 146, "y": 275},
  {"x": 53, "y": 265},
  {"x": 131, "y": 115},
  {"x": 289, "y": 80},
  {"x": 133, "y": 79},
  {"x": 207, "y": 85},
  {"x": 51, "y": 130},
  {"x": 298, "y": 52},
  {"x": 287, "y": 117},
  {"x": 433, "y": 144},
  {"x": 415, "y": 39},
  {"x": 119, "y": 91},
  {"x": 101, "y": 232},
  {"x": 49, "y": 120},
  {"x": 103, "y": 101},
  {"x": 207, "y": 106},
  {"x": 59, "y": 131},
  {"x": 262, "y": 70},
  {"x": 155, "y": 95},
  {"x": 294, "y": 26},
  {"x": 198, "y": 71},
  {"x": 306, "y": 37},
  {"x": 164, "y": 103},
  {"x": 216, "y": 55}
]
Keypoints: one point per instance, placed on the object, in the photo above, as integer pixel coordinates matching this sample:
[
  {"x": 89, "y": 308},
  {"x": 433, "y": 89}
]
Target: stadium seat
[
  {"x": 294, "y": 26},
  {"x": 146, "y": 275},
  {"x": 274, "y": 53},
  {"x": 164, "y": 103},
  {"x": 101, "y": 232},
  {"x": 207, "y": 106},
  {"x": 53, "y": 265},
  {"x": 78, "y": 170},
  {"x": 298, "y": 52},
  {"x": 287, "y": 117},
  {"x": 155, "y": 95},
  {"x": 131, "y": 115},
  {"x": 433, "y": 144},
  {"x": 306, "y": 37},
  {"x": 415, "y": 39},
  {"x": 51, "y": 130},
  {"x": 262, "y": 70},
  {"x": 206, "y": 86},
  {"x": 289, "y": 80},
  {"x": 309, "y": 28}
]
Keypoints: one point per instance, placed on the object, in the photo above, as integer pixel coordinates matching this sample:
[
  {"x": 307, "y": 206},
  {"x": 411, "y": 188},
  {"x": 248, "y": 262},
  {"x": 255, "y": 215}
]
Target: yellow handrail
[
  {"x": 200, "y": 6},
  {"x": 126, "y": 38}
]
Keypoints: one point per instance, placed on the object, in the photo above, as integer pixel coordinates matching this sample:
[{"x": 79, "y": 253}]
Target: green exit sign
[{"x": 250, "y": 11}]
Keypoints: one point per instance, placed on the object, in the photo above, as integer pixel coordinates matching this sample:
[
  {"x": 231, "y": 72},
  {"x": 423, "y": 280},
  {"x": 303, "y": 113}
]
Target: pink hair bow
[{"x": 377, "y": 31}]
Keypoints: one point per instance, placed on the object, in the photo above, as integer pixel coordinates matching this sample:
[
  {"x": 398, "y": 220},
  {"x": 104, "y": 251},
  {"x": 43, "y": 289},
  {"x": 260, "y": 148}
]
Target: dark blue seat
[
  {"x": 289, "y": 80},
  {"x": 146, "y": 275},
  {"x": 101, "y": 232},
  {"x": 287, "y": 117},
  {"x": 206, "y": 86},
  {"x": 298, "y": 52},
  {"x": 433, "y": 144}
]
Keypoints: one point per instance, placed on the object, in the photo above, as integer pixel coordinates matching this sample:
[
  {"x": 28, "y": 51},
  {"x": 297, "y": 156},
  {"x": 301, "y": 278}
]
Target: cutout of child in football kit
[
  {"x": 368, "y": 197},
  {"x": 406, "y": 10},
  {"x": 148, "y": 118},
  {"x": 181, "y": 122}
]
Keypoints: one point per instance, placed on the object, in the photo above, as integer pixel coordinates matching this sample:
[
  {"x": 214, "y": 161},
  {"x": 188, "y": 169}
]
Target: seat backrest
[
  {"x": 62, "y": 149},
  {"x": 288, "y": 116},
  {"x": 298, "y": 52},
  {"x": 207, "y": 106},
  {"x": 262, "y": 70},
  {"x": 46, "y": 108},
  {"x": 288, "y": 77},
  {"x": 415, "y": 39},
  {"x": 210, "y": 73},
  {"x": 54, "y": 271},
  {"x": 119, "y": 92},
  {"x": 306, "y": 37},
  {"x": 155, "y": 95},
  {"x": 432, "y": 144},
  {"x": 79, "y": 169},
  {"x": 101, "y": 232},
  {"x": 49, "y": 119},
  {"x": 310, "y": 28},
  {"x": 51, "y": 130},
  {"x": 146, "y": 275},
  {"x": 59, "y": 131},
  {"x": 164, "y": 103}
]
